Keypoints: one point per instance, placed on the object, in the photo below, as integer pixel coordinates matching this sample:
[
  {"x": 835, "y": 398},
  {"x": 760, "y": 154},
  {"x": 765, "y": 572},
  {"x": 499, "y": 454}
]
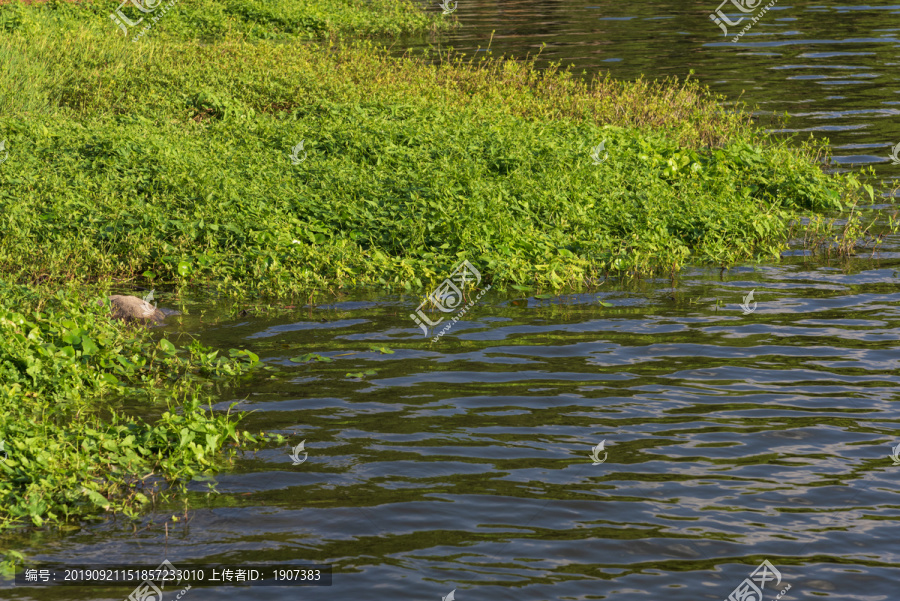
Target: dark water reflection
[{"x": 466, "y": 464}]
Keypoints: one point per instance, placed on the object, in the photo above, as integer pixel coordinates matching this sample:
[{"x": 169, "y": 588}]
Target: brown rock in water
[{"x": 134, "y": 309}]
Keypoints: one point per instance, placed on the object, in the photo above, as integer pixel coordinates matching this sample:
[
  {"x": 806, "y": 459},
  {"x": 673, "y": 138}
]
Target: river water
[{"x": 729, "y": 437}]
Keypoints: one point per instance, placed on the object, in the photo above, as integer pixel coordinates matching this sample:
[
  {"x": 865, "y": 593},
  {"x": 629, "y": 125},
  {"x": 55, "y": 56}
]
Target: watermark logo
[
  {"x": 745, "y": 306},
  {"x": 721, "y": 19},
  {"x": 748, "y": 589},
  {"x": 4, "y": 154},
  {"x": 895, "y": 456},
  {"x": 143, "y": 7},
  {"x": 894, "y": 152},
  {"x": 450, "y": 597},
  {"x": 595, "y": 153},
  {"x": 147, "y": 590},
  {"x": 183, "y": 591},
  {"x": 448, "y": 10},
  {"x": 448, "y": 297},
  {"x": 745, "y": 6},
  {"x": 4, "y": 456},
  {"x": 296, "y": 454},
  {"x": 149, "y": 309},
  {"x": 295, "y": 154},
  {"x": 595, "y": 453}
]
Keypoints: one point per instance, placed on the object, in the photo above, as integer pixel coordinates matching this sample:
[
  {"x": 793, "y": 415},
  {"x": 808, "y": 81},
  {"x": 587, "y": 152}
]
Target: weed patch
[{"x": 69, "y": 452}]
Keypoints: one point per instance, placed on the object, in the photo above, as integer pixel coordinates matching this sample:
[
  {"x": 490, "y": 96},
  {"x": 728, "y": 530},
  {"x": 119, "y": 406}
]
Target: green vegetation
[
  {"x": 212, "y": 19},
  {"x": 174, "y": 160},
  {"x": 168, "y": 159},
  {"x": 71, "y": 381},
  {"x": 69, "y": 451}
]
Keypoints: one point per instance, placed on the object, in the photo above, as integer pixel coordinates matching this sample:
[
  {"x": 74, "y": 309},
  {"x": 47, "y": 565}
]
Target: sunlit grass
[
  {"x": 168, "y": 161},
  {"x": 173, "y": 162}
]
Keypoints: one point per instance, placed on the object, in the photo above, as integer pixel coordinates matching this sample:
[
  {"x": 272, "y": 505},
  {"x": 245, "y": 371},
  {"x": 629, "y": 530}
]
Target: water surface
[{"x": 730, "y": 438}]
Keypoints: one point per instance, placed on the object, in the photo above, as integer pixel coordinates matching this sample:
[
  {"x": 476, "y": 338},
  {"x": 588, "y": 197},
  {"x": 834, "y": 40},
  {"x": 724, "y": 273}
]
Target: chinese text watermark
[
  {"x": 448, "y": 296},
  {"x": 746, "y": 7},
  {"x": 751, "y": 589}
]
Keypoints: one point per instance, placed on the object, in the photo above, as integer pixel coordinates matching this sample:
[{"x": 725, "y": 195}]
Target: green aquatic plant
[
  {"x": 388, "y": 201},
  {"x": 408, "y": 167},
  {"x": 210, "y": 19},
  {"x": 360, "y": 375},
  {"x": 69, "y": 453},
  {"x": 311, "y": 357}
]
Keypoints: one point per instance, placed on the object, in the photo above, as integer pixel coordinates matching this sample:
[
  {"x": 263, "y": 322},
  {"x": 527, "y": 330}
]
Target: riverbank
[
  {"x": 178, "y": 162},
  {"x": 232, "y": 154},
  {"x": 69, "y": 446}
]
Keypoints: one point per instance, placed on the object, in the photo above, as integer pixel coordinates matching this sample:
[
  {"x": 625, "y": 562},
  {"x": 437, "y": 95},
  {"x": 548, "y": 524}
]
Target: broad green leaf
[
  {"x": 184, "y": 268},
  {"x": 88, "y": 347}
]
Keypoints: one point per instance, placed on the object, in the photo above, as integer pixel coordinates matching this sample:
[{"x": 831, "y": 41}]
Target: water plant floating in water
[{"x": 193, "y": 185}]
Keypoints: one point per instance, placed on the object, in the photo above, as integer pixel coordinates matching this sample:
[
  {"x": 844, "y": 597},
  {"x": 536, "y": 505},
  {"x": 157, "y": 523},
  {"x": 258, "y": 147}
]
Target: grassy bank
[
  {"x": 71, "y": 448},
  {"x": 175, "y": 161},
  {"x": 272, "y": 20},
  {"x": 170, "y": 160}
]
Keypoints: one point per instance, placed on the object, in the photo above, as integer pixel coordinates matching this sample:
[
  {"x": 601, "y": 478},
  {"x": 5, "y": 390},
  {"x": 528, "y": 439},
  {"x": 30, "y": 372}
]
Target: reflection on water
[
  {"x": 729, "y": 439},
  {"x": 467, "y": 465}
]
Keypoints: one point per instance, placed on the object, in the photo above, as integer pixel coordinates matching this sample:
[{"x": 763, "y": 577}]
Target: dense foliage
[
  {"x": 178, "y": 159},
  {"x": 68, "y": 452}
]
